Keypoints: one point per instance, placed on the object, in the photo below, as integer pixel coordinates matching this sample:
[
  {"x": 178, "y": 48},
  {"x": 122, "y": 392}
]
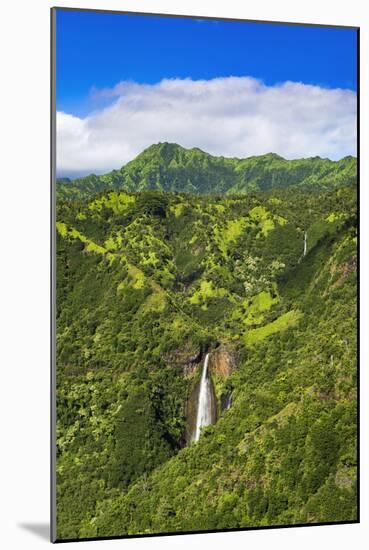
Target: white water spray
[{"x": 204, "y": 403}]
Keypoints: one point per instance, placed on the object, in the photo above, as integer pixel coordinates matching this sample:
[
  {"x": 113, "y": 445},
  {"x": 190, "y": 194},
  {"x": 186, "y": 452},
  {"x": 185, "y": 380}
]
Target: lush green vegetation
[
  {"x": 149, "y": 281},
  {"x": 170, "y": 167}
]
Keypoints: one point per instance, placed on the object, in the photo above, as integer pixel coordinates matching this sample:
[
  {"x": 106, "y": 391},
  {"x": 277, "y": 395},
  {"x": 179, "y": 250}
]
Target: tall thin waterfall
[
  {"x": 204, "y": 415},
  {"x": 305, "y": 243},
  {"x": 305, "y": 247}
]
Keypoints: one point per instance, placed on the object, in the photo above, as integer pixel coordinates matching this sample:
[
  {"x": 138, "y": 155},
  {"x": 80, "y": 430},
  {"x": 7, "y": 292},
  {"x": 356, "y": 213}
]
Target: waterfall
[
  {"x": 305, "y": 248},
  {"x": 305, "y": 243},
  {"x": 204, "y": 406}
]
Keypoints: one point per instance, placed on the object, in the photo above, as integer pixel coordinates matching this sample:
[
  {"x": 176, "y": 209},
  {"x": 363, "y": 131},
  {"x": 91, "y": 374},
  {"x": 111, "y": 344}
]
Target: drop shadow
[{"x": 42, "y": 530}]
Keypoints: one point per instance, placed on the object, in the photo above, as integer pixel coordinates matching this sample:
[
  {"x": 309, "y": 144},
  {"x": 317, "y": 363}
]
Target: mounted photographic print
[{"x": 204, "y": 231}]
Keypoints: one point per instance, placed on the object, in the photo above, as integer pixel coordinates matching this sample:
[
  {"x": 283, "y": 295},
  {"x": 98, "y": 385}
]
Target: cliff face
[
  {"x": 222, "y": 361},
  {"x": 186, "y": 358}
]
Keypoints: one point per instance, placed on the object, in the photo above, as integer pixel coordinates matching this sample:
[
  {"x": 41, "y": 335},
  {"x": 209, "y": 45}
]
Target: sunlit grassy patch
[
  {"x": 283, "y": 322},
  {"x": 205, "y": 291},
  {"x": 260, "y": 303},
  {"x": 118, "y": 202}
]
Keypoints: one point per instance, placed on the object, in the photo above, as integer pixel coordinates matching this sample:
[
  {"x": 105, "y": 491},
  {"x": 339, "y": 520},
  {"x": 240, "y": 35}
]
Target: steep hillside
[
  {"x": 170, "y": 167},
  {"x": 148, "y": 282}
]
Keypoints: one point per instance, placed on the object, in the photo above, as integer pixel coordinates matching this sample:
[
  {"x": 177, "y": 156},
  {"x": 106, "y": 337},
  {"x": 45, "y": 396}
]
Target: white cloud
[{"x": 233, "y": 116}]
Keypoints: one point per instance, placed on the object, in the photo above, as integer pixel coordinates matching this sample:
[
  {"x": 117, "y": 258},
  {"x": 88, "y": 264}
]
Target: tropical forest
[{"x": 206, "y": 369}]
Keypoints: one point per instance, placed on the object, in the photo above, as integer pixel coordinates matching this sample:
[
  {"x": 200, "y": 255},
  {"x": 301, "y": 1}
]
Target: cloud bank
[{"x": 233, "y": 116}]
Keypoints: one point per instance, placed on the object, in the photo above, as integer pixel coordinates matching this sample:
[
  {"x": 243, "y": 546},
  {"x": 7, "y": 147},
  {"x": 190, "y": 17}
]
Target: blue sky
[{"x": 96, "y": 51}]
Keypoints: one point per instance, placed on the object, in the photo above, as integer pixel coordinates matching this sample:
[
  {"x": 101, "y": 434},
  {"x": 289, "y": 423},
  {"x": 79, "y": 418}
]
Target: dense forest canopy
[{"x": 177, "y": 254}]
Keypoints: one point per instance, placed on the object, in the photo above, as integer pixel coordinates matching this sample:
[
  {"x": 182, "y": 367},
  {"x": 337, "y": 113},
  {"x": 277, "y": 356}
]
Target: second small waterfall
[{"x": 204, "y": 407}]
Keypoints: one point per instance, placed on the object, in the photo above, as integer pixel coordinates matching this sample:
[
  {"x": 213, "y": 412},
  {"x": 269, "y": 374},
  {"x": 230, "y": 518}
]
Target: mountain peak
[
  {"x": 166, "y": 166},
  {"x": 162, "y": 147},
  {"x": 267, "y": 156}
]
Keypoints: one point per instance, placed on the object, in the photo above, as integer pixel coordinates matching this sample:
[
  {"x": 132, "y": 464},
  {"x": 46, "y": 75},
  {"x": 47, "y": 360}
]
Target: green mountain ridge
[{"x": 172, "y": 168}]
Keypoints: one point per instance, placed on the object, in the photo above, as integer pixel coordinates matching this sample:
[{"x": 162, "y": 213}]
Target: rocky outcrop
[
  {"x": 222, "y": 361},
  {"x": 186, "y": 358}
]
